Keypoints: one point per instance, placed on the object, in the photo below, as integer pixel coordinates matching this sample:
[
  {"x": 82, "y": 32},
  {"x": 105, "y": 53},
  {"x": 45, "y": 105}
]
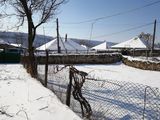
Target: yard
[{"x": 114, "y": 91}]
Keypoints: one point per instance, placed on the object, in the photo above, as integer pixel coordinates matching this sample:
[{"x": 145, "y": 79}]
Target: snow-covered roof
[
  {"x": 103, "y": 46},
  {"x": 18, "y": 45},
  {"x": 135, "y": 42},
  {"x": 65, "y": 45}
]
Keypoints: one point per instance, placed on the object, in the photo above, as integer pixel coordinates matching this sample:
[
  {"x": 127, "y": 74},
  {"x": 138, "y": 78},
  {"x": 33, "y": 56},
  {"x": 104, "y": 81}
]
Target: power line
[
  {"x": 126, "y": 30},
  {"x": 116, "y": 14}
]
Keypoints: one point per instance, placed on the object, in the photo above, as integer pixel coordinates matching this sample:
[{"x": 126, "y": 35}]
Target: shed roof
[
  {"x": 135, "y": 42},
  {"x": 103, "y": 46},
  {"x": 65, "y": 45}
]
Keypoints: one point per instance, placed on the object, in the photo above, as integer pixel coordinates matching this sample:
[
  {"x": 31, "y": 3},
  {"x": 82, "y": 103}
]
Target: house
[
  {"x": 130, "y": 46},
  {"x": 6, "y": 56},
  {"x": 17, "y": 48},
  {"x": 66, "y": 46}
]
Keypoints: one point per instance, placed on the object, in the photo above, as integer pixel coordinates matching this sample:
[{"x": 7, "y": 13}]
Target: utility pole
[
  {"x": 66, "y": 38},
  {"x": 153, "y": 40},
  {"x": 91, "y": 32},
  {"x": 66, "y": 41},
  {"x": 44, "y": 37},
  {"x": 58, "y": 47}
]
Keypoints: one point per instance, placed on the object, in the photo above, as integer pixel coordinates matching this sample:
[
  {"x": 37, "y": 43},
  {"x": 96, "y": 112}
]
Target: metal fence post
[{"x": 144, "y": 108}]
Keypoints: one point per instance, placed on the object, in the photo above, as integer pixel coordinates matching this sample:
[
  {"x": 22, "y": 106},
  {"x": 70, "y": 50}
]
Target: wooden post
[
  {"x": 154, "y": 33},
  {"x": 133, "y": 52},
  {"x": 58, "y": 47},
  {"x": 66, "y": 41},
  {"x": 69, "y": 89},
  {"x": 46, "y": 69},
  {"x": 66, "y": 38}
]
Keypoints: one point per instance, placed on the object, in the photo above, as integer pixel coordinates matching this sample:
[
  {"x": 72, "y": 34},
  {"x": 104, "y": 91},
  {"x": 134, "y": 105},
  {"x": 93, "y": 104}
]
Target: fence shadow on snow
[{"x": 109, "y": 99}]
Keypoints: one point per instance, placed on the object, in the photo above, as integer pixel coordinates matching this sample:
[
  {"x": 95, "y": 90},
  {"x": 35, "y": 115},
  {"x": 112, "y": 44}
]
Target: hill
[
  {"x": 21, "y": 38},
  {"x": 88, "y": 43}
]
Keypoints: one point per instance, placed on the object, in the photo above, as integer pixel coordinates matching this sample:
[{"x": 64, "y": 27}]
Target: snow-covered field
[
  {"x": 121, "y": 72},
  {"x": 120, "y": 91},
  {"x": 24, "y": 98}
]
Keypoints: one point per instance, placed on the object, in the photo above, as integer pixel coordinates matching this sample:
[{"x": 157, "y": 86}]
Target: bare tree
[
  {"x": 35, "y": 12},
  {"x": 148, "y": 38}
]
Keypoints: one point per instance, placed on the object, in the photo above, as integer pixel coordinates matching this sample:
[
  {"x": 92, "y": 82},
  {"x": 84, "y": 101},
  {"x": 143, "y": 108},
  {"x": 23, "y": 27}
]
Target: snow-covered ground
[
  {"x": 116, "y": 91},
  {"x": 24, "y": 98},
  {"x": 121, "y": 72},
  {"x": 120, "y": 92}
]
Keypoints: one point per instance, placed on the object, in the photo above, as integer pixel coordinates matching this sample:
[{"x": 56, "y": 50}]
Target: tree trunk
[{"x": 32, "y": 65}]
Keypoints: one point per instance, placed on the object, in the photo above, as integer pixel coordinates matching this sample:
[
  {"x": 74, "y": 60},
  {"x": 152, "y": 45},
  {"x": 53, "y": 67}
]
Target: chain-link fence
[
  {"x": 109, "y": 99},
  {"x": 113, "y": 100}
]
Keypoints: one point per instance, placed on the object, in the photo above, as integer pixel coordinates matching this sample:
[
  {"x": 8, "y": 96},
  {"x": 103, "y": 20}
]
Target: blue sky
[
  {"x": 76, "y": 11},
  {"x": 81, "y": 10}
]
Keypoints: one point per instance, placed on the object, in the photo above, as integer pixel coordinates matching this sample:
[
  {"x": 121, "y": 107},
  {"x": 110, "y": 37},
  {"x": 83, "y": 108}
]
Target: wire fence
[{"x": 109, "y": 99}]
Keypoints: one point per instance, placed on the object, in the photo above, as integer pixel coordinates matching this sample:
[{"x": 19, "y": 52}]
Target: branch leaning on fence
[
  {"x": 79, "y": 79},
  {"x": 5, "y": 113},
  {"x": 58, "y": 70}
]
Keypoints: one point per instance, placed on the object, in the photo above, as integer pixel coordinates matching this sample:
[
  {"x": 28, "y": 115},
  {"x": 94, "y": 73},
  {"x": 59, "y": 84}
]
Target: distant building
[
  {"x": 66, "y": 46},
  {"x": 134, "y": 43},
  {"x": 9, "y": 53},
  {"x": 17, "y": 48},
  {"x": 103, "y": 46}
]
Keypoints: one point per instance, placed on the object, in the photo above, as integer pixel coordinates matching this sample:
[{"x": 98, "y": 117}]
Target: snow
[
  {"x": 144, "y": 59},
  {"x": 17, "y": 45},
  {"x": 65, "y": 45},
  {"x": 135, "y": 42},
  {"x": 121, "y": 72},
  {"x": 24, "y": 98},
  {"x": 118, "y": 92}
]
